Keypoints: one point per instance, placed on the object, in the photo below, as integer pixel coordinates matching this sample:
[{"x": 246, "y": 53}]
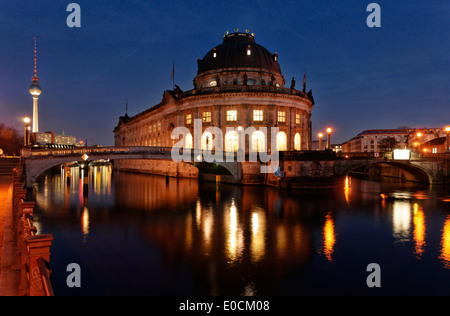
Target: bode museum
[{"x": 239, "y": 84}]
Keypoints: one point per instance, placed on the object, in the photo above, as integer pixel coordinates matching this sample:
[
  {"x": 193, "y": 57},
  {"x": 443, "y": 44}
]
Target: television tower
[{"x": 35, "y": 91}]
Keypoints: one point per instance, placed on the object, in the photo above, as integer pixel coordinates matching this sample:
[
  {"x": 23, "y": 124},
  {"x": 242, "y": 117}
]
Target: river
[{"x": 137, "y": 234}]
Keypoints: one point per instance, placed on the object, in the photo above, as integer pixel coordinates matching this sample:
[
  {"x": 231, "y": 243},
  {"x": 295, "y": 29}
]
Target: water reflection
[
  {"x": 445, "y": 244},
  {"x": 419, "y": 230},
  {"x": 347, "y": 189},
  {"x": 258, "y": 226},
  {"x": 401, "y": 220},
  {"x": 329, "y": 237},
  {"x": 236, "y": 240},
  {"x": 85, "y": 223},
  {"x": 235, "y": 243}
]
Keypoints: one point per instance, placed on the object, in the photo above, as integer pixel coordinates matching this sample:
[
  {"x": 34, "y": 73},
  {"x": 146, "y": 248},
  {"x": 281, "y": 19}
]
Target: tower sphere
[{"x": 35, "y": 89}]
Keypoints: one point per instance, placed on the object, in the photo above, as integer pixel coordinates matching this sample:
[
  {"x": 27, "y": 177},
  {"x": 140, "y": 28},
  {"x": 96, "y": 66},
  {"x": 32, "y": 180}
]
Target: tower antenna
[
  {"x": 35, "y": 91},
  {"x": 35, "y": 59}
]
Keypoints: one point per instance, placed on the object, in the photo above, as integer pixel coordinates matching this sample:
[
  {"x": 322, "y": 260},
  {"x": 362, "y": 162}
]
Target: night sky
[{"x": 361, "y": 78}]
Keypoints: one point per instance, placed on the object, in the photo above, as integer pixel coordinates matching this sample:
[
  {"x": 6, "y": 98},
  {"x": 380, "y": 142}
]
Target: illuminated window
[
  {"x": 231, "y": 141},
  {"x": 232, "y": 115},
  {"x": 188, "y": 141},
  {"x": 207, "y": 141},
  {"x": 297, "y": 142},
  {"x": 281, "y": 141},
  {"x": 297, "y": 118},
  {"x": 281, "y": 116},
  {"x": 189, "y": 119},
  {"x": 213, "y": 83},
  {"x": 249, "y": 51},
  {"x": 257, "y": 115},
  {"x": 214, "y": 55},
  {"x": 206, "y": 117},
  {"x": 159, "y": 125},
  {"x": 258, "y": 142}
]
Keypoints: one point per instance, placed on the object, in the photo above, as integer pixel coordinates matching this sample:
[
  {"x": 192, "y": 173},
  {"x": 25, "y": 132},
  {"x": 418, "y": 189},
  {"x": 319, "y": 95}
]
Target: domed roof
[{"x": 239, "y": 50}]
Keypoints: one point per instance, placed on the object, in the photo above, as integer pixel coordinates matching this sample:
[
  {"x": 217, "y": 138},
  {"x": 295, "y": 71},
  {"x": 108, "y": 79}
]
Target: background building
[
  {"x": 377, "y": 140},
  {"x": 52, "y": 140},
  {"x": 383, "y": 140}
]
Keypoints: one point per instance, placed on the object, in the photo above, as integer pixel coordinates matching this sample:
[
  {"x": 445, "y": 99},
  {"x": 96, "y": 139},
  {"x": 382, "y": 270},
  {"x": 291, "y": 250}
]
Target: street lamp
[
  {"x": 447, "y": 131},
  {"x": 329, "y": 138},
  {"x": 26, "y": 135},
  {"x": 320, "y": 141}
]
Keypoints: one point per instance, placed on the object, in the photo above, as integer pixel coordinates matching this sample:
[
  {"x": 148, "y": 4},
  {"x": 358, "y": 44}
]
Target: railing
[
  {"x": 167, "y": 151},
  {"x": 33, "y": 248},
  {"x": 362, "y": 155}
]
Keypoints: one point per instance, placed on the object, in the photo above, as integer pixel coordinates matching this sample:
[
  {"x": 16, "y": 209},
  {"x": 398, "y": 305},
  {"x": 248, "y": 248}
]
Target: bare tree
[
  {"x": 10, "y": 140},
  {"x": 388, "y": 144}
]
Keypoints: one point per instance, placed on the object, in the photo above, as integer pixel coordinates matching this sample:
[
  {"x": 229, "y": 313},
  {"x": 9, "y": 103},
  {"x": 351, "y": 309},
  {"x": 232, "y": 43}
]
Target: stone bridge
[
  {"x": 432, "y": 169},
  {"x": 38, "y": 161}
]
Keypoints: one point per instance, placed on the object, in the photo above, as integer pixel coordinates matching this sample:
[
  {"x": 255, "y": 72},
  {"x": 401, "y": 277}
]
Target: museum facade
[{"x": 239, "y": 84}]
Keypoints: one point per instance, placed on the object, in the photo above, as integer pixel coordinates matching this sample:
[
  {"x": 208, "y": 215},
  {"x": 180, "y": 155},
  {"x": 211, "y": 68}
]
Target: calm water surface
[{"x": 135, "y": 234}]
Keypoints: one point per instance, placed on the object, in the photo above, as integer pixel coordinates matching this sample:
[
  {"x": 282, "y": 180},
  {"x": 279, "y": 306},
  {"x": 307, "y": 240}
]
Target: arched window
[
  {"x": 207, "y": 141},
  {"x": 281, "y": 141},
  {"x": 297, "y": 142},
  {"x": 188, "y": 141},
  {"x": 231, "y": 141},
  {"x": 258, "y": 142}
]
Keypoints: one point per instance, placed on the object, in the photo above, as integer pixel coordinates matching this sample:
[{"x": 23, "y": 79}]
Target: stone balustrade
[{"x": 33, "y": 250}]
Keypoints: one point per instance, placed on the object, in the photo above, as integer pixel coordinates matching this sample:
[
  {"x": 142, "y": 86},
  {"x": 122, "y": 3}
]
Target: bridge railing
[
  {"x": 33, "y": 248},
  {"x": 37, "y": 153},
  {"x": 361, "y": 155}
]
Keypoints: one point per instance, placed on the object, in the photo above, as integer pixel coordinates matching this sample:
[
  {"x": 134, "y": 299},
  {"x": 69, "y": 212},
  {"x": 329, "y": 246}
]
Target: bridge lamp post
[
  {"x": 447, "y": 131},
  {"x": 329, "y": 138},
  {"x": 419, "y": 135},
  {"x": 320, "y": 141},
  {"x": 26, "y": 136}
]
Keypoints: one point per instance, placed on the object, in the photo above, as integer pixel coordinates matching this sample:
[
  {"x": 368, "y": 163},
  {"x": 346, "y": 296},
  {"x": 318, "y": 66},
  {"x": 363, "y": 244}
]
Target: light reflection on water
[{"x": 142, "y": 234}]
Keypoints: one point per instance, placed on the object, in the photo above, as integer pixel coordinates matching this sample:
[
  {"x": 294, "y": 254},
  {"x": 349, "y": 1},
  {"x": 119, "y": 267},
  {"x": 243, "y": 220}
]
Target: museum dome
[{"x": 239, "y": 51}]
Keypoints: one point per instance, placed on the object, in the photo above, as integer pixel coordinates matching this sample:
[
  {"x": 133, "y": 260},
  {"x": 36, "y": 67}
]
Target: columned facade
[{"x": 238, "y": 88}]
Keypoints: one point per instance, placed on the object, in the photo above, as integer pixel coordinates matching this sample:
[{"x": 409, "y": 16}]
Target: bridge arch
[
  {"x": 420, "y": 173},
  {"x": 39, "y": 163}
]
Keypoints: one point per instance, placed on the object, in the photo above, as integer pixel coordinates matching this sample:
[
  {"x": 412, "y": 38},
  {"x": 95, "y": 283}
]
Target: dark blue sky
[{"x": 361, "y": 78}]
